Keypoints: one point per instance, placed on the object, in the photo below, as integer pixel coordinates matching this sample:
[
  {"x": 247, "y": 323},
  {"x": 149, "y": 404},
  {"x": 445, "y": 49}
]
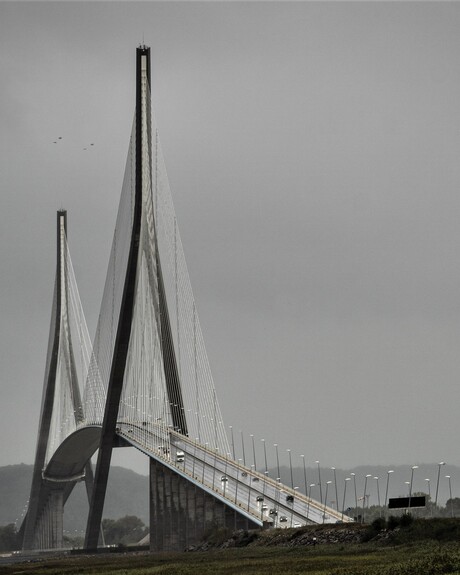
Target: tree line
[{"x": 124, "y": 531}]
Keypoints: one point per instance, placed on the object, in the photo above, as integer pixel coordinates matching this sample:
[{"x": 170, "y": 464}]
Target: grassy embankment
[{"x": 423, "y": 548}]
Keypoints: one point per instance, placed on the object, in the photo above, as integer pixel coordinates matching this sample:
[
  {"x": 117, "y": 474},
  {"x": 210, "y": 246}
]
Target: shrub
[
  {"x": 374, "y": 529},
  {"x": 378, "y": 524},
  {"x": 393, "y": 522},
  {"x": 406, "y": 520},
  {"x": 216, "y": 535}
]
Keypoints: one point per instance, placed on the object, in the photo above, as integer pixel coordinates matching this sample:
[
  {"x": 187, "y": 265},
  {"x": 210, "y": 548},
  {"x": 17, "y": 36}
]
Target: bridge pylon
[
  {"x": 142, "y": 230},
  {"x": 148, "y": 397},
  {"x": 43, "y": 525}
]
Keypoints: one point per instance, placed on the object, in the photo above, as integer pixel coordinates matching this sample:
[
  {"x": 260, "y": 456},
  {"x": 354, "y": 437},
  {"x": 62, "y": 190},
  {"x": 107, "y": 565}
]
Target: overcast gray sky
[{"x": 313, "y": 154}]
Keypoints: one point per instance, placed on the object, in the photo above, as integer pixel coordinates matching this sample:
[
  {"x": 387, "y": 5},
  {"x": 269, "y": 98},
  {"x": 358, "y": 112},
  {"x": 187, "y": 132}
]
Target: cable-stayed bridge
[{"x": 144, "y": 382}]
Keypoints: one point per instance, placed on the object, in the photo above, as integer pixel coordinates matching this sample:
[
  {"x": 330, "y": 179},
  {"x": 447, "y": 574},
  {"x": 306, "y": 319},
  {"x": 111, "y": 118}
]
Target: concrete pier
[
  {"x": 181, "y": 512},
  {"x": 49, "y": 534}
]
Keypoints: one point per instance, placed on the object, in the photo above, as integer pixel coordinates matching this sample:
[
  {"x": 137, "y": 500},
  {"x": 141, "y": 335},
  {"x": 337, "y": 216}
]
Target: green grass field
[
  {"x": 361, "y": 559},
  {"x": 420, "y": 547}
]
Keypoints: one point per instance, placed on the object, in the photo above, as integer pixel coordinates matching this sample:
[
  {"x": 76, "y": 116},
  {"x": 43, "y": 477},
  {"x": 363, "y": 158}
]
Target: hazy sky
[{"x": 313, "y": 154}]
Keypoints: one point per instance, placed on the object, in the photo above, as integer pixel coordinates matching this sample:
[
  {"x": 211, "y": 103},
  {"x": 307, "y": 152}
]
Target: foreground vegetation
[
  {"x": 345, "y": 560},
  {"x": 413, "y": 548}
]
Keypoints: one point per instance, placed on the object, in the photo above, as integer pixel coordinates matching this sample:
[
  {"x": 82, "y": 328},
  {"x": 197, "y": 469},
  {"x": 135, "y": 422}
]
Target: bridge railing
[{"x": 266, "y": 480}]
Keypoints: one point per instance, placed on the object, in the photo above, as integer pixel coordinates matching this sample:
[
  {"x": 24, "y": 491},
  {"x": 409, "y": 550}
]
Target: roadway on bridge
[
  {"x": 254, "y": 494},
  {"x": 259, "y": 497}
]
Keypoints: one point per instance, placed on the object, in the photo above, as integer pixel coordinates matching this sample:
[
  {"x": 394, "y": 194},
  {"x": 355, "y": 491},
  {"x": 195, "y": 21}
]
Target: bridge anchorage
[{"x": 145, "y": 382}]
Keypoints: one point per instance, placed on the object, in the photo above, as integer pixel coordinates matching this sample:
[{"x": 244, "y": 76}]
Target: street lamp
[
  {"x": 356, "y": 493},
  {"x": 378, "y": 494},
  {"x": 254, "y": 452},
  {"x": 233, "y": 441},
  {"x": 275, "y": 445},
  {"x": 364, "y": 498},
  {"x": 194, "y": 458},
  {"x": 242, "y": 446},
  {"x": 325, "y": 500},
  {"x": 249, "y": 487},
  {"x": 304, "y": 473},
  {"x": 336, "y": 494},
  {"x": 437, "y": 482},
  {"x": 309, "y": 497},
  {"x": 237, "y": 480},
  {"x": 319, "y": 483},
  {"x": 428, "y": 485},
  {"x": 265, "y": 455},
  {"x": 408, "y": 483},
  {"x": 429, "y": 494},
  {"x": 277, "y": 499},
  {"x": 344, "y": 492},
  {"x": 225, "y": 470},
  {"x": 451, "y": 500},
  {"x": 388, "y": 481},
  {"x": 411, "y": 480},
  {"x": 290, "y": 466},
  {"x": 214, "y": 468},
  {"x": 265, "y": 482},
  {"x": 292, "y": 508}
]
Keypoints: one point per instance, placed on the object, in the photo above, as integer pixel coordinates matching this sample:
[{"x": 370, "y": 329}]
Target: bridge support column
[
  {"x": 57, "y": 518},
  {"x": 181, "y": 512},
  {"x": 50, "y": 529}
]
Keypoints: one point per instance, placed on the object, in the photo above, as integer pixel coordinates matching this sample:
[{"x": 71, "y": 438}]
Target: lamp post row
[{"x": 308, "y": 486}]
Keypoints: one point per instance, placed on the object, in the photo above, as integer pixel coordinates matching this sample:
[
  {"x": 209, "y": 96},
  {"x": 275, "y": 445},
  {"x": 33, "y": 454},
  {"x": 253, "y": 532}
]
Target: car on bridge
[{"x": 180, "y": 457}]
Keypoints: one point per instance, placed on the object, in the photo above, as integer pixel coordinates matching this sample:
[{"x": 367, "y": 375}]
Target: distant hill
[
  {"x": 14, "y": 489},
  {"x": 127, "y": 494}
]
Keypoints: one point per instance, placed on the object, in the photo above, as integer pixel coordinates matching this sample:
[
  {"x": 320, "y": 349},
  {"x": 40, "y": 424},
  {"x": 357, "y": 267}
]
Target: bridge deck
[
  {"x": 253, "y": 494},
  {"x": 262, "y": 498}
]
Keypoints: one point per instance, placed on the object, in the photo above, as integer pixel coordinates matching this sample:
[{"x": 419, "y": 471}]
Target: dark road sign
[{"x": 406, "y": 502}]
